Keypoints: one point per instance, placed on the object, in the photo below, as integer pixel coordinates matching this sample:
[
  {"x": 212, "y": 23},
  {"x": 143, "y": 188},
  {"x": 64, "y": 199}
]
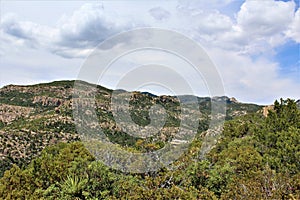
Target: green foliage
[
  {"x": 5, "y": 164},
  {"x": 219, "y": 177},
  {"x": 74, "y": 186},
  {"x": 279, "y": 138},
  {"x": 265, "y": 184},
  {"x": 12, "y": 184},
  {"x": 1, "y": 124},
  {"x": 285, "y": 115},
  {"x": 256, "y": 158},
  {"x": 17, "y": 98},
  {"x": 66, "y": 84}
]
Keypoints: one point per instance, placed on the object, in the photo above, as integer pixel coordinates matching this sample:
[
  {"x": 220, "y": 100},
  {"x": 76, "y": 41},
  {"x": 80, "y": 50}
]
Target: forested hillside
[{"x": 257, "y": 156}]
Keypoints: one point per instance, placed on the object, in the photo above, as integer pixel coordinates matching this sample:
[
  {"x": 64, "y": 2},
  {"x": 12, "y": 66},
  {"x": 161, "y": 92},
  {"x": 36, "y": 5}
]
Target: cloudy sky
[{"x": 254, "y": 44}]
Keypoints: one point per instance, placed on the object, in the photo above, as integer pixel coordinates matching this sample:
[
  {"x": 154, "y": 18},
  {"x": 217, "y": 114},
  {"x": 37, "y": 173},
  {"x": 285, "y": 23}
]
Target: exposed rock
[
  {"x": 48, "y": 101},
  {"x": 9, "y": 113},
  {"x": 266, "y": 110},
  {"x": 28, "y": 144},
  {"x": 232, "y": 99},
  {"x": 54, "y": 122},
  {"x": 166, "y": 99}
]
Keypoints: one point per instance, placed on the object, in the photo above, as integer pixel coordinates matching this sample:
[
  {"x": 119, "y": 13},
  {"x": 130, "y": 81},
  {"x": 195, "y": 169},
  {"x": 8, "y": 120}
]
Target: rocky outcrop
[
  {"x": 233, "y": 100},
  {"x": 47, "y": 115},
  {"x": 266, "y": 110},
  {"x": 9, "y": 113},
  {"x": 167, "y": 99},
  {"x": 48, "y": 101},
  {"x": 26, "y": 144}
]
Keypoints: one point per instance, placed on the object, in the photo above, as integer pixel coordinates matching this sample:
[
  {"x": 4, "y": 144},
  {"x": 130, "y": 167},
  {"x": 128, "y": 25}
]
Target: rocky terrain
[{"x": 36, "y": 116}]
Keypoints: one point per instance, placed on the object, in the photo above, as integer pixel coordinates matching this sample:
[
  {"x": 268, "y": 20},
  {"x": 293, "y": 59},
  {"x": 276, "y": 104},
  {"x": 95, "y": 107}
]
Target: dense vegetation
[{"x": 257, "y": 157}]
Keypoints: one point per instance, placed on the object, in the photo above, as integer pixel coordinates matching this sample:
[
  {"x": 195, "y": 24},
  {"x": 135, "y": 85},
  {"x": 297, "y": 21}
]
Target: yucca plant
[{"x": 74, "y": 186}]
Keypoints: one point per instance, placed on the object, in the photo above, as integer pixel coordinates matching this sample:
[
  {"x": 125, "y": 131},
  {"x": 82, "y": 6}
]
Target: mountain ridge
[
  {"x": 71, "y": 83},
  {"x": 43, "y": 155},
  {"x": 39, "y": 115}
]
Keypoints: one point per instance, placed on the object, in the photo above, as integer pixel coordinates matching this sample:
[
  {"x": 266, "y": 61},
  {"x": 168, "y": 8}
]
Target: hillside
[
  {"x": 36, "y": 116},
  {"x": 256, "y": 157}
]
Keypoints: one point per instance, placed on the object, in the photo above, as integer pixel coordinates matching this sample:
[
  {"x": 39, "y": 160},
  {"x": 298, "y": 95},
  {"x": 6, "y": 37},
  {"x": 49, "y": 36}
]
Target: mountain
[
  {"x": 255, "y": 156},
  {"x": 33, "y": 117}
]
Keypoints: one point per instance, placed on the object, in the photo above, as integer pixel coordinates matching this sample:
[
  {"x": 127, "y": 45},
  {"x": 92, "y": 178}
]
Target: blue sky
[
  {"x": 288, "y": 57},
  {"x": 254, "y": 44}
]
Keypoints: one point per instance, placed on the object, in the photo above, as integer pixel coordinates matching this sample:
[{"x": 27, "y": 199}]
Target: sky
[{"x": 254, "y": 44}]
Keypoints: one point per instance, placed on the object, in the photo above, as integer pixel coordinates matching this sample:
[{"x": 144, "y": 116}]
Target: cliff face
[{"x": 47, "y": 101}]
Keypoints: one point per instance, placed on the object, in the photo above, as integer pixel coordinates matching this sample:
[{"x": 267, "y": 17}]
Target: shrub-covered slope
[
  {"x": 256, "y": 157},
  {"x": 36, "y": 116}
]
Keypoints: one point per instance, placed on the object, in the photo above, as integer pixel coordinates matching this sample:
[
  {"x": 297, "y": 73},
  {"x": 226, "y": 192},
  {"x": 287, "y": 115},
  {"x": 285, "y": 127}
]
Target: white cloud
[
  {"x": 30, "y": 33},
  {"x": 252, "y": 80},
  {"x": 234, "y": 43},
  {"x": 90, "y": 25},
  {"x": 258, "y": 27},
  {"x": 262, "y": 24},
  {"x": 74, "y": 36},
  {"x": 212, "y": 23},
  {"x": 294, "y": 31},
  {"x": 265, "y": 18}
]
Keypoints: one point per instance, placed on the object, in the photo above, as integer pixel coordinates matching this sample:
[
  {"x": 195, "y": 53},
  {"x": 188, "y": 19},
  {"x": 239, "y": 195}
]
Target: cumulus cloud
[
  {"x": 211, "y": 23},
  {"x": 74, "y": 36},
  {"x": 265, "y": 18},
  {"x": 258, "y": 26},
  {"x": 265, "y": 22},
  {"x": 252, "y": 80},
  {"x": 240, "y": 44},
  {"x": 11, "y": 26},
  {"x": 294, "y": 31},
  {"x": 26, "y": 32},
  {"x": 90, "y": 25}
]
